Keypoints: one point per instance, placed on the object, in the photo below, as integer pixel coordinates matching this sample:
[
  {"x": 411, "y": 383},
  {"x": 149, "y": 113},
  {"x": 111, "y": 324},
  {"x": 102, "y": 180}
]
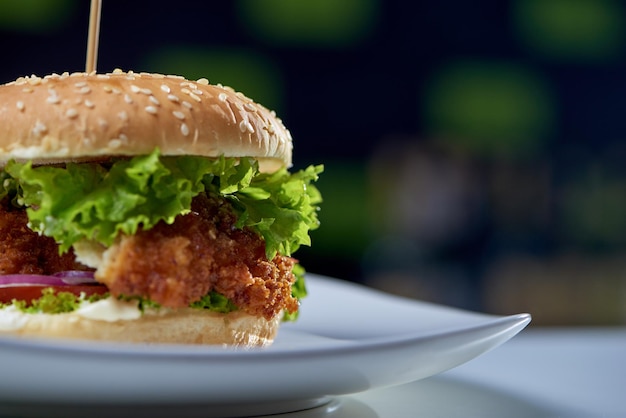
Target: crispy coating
[
  {"x": 202, "y": 251},
  {"x": 23, "y": 251}
]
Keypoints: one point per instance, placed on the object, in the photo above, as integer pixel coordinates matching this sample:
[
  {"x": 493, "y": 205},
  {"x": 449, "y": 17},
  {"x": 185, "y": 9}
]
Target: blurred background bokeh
[{"x": 475, "y": 151}]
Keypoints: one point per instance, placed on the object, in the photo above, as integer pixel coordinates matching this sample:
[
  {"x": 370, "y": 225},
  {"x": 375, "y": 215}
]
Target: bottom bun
[{"x": 184, "y": 326}]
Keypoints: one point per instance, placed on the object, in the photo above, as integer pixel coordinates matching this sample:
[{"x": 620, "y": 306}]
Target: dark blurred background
[{"x": 475, "y": 151}]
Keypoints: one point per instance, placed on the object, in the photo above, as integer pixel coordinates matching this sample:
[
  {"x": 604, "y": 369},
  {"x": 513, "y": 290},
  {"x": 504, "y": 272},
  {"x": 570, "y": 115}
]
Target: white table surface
[{"x": 542, "y": 372}]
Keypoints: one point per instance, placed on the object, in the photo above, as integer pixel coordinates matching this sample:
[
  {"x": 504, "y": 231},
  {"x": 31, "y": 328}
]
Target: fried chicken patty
[
  {"x": 173, "y": 265},
  {"x": 200, "y": 252},
  {"x": 23, "y": 251}
]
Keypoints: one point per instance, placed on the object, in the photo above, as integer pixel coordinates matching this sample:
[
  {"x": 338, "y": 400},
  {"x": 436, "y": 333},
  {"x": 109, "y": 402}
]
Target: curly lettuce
[{"x": 89, "y": 201}]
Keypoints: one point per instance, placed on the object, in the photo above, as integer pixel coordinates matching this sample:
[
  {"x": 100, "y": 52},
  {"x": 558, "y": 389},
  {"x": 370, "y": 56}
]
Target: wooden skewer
[{"x": 92, "y": 39}]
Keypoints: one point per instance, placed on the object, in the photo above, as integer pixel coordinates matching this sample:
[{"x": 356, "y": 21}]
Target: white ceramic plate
[{"x": 348, "y": 339}]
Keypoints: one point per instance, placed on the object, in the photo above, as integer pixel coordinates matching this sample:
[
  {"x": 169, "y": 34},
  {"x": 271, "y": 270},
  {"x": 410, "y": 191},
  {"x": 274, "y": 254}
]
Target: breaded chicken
[
  {"x": 200, "y": 252},
  {"x": 23, "y": 251}
]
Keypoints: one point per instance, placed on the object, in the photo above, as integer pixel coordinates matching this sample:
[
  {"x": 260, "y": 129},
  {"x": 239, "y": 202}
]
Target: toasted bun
[
  {"x": 84, "y": 117},
  {"x": 184, "y": 326}
]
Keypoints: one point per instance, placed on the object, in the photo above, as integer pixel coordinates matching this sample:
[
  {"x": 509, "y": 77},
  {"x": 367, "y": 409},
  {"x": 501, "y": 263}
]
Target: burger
[{"x": 148, "y": 208}]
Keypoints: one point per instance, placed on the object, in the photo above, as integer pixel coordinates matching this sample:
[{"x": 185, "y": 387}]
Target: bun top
[{"x": 90, "y": 117}]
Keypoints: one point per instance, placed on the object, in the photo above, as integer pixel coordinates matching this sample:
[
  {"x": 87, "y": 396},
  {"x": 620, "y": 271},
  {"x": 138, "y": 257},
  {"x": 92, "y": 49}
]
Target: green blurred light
[
  {"x": 253, "y": 74},
  {"x": 593, "y": 208},
  {"x": 581, "y": 29},
  {"x": 489, "y": 109},
  {"x": 35, "y": 15},
  {"x": 332, "y": 23}
]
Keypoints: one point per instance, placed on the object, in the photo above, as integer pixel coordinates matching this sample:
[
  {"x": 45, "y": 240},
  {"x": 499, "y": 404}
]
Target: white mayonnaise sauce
[
  {"x": 12, "y": 319},
  {"x": 109, "y": 309}
]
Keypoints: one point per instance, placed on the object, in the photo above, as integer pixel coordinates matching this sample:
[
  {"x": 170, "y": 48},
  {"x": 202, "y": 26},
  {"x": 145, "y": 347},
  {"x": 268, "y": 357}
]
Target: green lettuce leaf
[
  {"x": 63, "y": 302},
  {"x": 298, "y": 291},
  {"x": 53, "y": 303},
  {"x": 97, "y": 202},
  {"x": 282, "y": 207},
  {"x": 215, "y": 302}
]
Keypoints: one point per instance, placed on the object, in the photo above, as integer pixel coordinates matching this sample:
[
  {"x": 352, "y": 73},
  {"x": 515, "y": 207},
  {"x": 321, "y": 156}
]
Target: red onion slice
[
  {"x": 59, "y": 279},
  {"x": 76, "y": 277}
]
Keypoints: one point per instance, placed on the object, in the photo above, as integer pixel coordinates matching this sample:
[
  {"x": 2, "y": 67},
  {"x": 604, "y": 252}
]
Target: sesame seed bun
[{"x": 85, "y": 117}]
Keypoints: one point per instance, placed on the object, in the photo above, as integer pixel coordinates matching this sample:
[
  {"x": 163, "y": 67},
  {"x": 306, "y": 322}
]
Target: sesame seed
[
  {"x": 89, "y": 104},
  {"x": 187, "y": 104},
  {"x": 250, "y": 107},
  {"x": 173, "y": 98},
  {"x": 242, "y": 126},
  {"x": 147, "y": 92},
  {"x": 27, "y": 90},
  {"x": 71, "y": 113},
  {"x": 85, "y": 90},
  {"x": 20, "y": 105},
  {"x": 165, "y": 88},
  {"x": 115, "y": 143},
  {"x": 128, "y": 99},
  {"x": 203, "y": 81},
  {"x": 40, "y": 128},
  {"x": 195, "y": 97},
  {"x": 115, "y": 90},
  {"x": 151, "y": 109},
  {"x": 185, "y": 90},
  {"x": 176, "y": 77},
  {"x": 103, "y": 124},
  {"x": 179, "y": 115},
  {"x": 266, "y": 135},
  {"x": 249, "y": 127},
  {"x": 103, "y": 76},
  {"x": 197, "y": 91},
  {"x": 238, "y": 105},
  {"x": 81, "y": 84},
  {"x": 184, "y": 129},
  {"x": 222, "y": 97},
  {"x": 117, "y": 71},
  {"x": 134, "y": 88},
  {"x": 53, "y": 99},
  {"x": 107, "y": 89},
  {"x": 154, "y": 100},
  {"x": 123, "y": 115}
]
